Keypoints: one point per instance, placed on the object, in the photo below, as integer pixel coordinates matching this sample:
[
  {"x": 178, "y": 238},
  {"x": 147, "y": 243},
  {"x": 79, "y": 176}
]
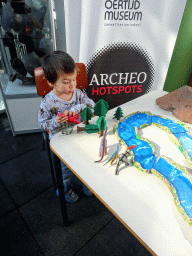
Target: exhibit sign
[{"x": 126, "y": 45}]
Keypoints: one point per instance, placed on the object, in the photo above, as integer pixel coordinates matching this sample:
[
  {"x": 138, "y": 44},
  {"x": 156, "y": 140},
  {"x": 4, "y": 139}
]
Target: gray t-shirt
[{"x": 51, "y": 105}]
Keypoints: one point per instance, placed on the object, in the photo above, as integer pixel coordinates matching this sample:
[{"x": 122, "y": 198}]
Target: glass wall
[{"x": 25, "y": 36}]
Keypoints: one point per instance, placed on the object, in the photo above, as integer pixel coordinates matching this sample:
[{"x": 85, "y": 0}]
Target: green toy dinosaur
[{"x": 124, "y": 158}]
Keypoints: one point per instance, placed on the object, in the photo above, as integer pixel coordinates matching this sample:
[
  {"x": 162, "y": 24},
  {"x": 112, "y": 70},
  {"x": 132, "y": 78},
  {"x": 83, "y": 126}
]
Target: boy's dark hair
[{"x": 56, "y": 62}]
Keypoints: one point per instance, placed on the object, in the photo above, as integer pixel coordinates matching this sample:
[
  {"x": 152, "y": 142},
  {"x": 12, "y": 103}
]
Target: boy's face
[{"x": 65, "y": 84}]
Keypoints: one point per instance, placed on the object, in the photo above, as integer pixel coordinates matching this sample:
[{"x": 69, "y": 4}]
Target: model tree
[
  {"x": 118, "y": 113},
  {"x": 101, "y": 123},
  {"x": 91, "y": 128},
  {"x": 86, "y": 114},
  {"x": 101, "y": 108}
]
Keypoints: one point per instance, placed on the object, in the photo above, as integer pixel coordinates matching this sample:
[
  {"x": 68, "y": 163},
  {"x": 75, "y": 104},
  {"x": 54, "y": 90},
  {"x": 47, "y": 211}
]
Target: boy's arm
[
  {"x": 45, "y": 119},
  {"x": 83, "y": 101}
]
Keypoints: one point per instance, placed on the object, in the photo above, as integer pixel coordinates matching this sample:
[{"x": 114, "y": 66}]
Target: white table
[{"x": 142, "y": 202}]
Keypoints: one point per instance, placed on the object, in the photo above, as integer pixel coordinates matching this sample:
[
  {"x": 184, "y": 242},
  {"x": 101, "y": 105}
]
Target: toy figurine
[
  {"x": 101, "y": 108},
  {"x": 67, "y": 128},
  {"x": 86, "y": 114},
  {"x": 74, "y": 119},
  {"x": 80, "y": 129},
  {"x": 91, "y": 128},
  {"x": 71, "y": 119},
  {"x": 101, "y": 123},
  {"x": 124, "y": 158},
  {"x": 113, "y": 156},
  {"x": 118, "y": 113},
  {"x": 103, "y": 146}
]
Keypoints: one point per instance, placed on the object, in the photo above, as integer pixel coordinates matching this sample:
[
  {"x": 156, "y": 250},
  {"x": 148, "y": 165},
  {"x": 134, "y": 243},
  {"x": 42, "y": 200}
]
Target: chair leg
[
  {"x": 46, "y": 143},
  {"x": 58, "y": 172}
]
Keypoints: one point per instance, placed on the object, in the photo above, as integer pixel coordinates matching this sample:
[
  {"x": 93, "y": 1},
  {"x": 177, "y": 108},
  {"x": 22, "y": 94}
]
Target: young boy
[{"x": 60, "y": 71}]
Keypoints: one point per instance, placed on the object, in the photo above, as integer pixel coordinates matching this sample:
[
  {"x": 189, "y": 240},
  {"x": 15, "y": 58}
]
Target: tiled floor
[{"x": 30, "y": 216}]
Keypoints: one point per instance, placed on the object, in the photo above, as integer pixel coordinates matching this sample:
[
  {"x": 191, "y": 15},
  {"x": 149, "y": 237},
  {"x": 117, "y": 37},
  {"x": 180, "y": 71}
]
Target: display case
[{"x": 28, "y": 30}]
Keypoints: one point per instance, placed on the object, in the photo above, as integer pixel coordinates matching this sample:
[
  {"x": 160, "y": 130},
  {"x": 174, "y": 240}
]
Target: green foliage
[
  {"x": 118, "y": 113},
  {"x": 101, "y": 108},
  {"x": 101, "y": 123},
  {"x": 92, "y": 128},
  {"x": 86, "y": 114}
]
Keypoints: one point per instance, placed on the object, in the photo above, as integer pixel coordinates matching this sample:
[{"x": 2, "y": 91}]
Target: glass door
[{"x": 26, "y": 35}]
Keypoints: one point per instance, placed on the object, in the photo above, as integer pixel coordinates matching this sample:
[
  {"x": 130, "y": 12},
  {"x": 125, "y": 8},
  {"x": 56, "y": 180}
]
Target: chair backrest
[{"x": 43, "y": 88}]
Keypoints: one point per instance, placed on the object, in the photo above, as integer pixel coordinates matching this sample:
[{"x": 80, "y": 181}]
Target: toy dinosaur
[
  {"x": 71, "y": 119},
  {"x": 103, "y": 146},
  {"x": 113, "y": 156},
  {"x": 124, "y": 158},
  {"x": 67, "y": 127},
  {"x": 74, "y": 119}
]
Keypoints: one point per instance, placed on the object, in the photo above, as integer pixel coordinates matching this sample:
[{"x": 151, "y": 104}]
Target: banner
[{"x": 125, "y": 45}]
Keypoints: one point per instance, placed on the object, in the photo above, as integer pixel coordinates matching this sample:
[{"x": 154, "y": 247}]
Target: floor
[{"x": 30, "y": 216}]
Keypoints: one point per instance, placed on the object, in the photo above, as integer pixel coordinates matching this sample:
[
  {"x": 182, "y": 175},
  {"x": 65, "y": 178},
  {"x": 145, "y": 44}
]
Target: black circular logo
[{"x": 119, "y": 73}]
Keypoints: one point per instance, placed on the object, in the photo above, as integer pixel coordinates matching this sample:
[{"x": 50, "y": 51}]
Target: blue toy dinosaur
[{"x": 113, "y": 156}]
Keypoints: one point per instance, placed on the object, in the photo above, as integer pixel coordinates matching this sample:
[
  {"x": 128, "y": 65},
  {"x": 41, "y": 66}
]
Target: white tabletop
[{"x": 142, "y": 202}]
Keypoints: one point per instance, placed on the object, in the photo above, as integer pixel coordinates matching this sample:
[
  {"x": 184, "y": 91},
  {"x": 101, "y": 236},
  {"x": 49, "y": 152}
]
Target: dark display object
[{"x": 21, "y": 34}]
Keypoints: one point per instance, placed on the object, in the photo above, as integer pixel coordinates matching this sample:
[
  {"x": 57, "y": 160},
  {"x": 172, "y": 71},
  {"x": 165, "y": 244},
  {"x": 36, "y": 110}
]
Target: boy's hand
[
  {"x": 60, "y": 119},
  {"x": 69, "y": 113},
  {"x": 63, "y": 118}
]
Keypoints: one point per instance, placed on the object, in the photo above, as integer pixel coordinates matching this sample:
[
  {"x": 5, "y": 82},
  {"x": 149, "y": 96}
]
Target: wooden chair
[{"x": 42, "y": 89}]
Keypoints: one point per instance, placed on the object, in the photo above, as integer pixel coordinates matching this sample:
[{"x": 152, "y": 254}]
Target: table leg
[
  {"x": 58, "y": 172},
  {"x": 46, "y": 143}
]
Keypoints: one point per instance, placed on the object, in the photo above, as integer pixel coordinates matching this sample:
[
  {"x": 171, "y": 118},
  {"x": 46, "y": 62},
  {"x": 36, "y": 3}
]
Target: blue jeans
[{"x": 67, "y": 175}]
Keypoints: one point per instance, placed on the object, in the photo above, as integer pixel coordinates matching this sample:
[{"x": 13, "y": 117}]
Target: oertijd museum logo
[{"x": 122, "y": 10}]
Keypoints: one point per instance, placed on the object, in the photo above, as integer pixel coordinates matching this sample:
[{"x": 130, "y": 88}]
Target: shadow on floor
[{"x": 30, "y": 215}]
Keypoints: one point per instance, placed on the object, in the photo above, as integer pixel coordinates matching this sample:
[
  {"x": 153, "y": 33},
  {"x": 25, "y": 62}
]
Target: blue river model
[{"x": 145, "y": 156}]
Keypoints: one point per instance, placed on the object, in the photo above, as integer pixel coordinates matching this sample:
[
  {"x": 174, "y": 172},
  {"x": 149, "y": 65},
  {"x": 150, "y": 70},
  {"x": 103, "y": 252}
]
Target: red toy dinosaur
[
  {"x": 74, "y": 119},
  {"x": 71, "y": 119}
]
